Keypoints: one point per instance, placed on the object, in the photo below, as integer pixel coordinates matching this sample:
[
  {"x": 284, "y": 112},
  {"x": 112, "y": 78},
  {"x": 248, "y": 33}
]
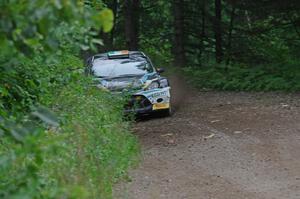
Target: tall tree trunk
[
  {"x": 108, "y": 38},
  {"x": 232, "y": 16},
  {"x": 114, "y": 8},
  {"x": 132, "y": 19},
  {"x": 203, "y": 22},
  {"x": 178, "y": 48},
  {"x": 218, "y": 31}
]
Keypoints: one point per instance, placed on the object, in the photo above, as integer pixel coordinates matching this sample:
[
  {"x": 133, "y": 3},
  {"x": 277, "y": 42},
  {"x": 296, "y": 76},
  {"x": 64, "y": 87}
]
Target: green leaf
[
  {"x": 18, "y": 133},
  {"x": 32, "y": 42},
  {"x": 84, "y": 47},
  {"x": 57, "y": 4},
  {"x": 107, "y": 19},
  {"x": 46, "y": 116},
  {"x": 97, "y": 41}
]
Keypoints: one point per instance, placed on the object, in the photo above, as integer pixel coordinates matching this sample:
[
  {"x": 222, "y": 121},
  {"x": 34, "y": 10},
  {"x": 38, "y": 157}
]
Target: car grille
[{"x": 138, "y": 101}]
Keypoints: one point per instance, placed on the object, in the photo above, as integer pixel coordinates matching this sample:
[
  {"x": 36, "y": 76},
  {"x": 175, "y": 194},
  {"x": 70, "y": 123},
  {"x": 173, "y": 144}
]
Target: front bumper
[{"x": 147, "y": 102}]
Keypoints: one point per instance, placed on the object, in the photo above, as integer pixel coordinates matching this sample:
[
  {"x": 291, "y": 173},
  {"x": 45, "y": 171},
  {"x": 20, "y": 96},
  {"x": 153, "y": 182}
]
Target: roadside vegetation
[
  {"x": 60, "y": 137},
  {"x": 245, "y": 78}
]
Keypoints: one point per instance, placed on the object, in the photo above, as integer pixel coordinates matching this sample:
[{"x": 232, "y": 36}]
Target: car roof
[{"x": 131, "y": 54}]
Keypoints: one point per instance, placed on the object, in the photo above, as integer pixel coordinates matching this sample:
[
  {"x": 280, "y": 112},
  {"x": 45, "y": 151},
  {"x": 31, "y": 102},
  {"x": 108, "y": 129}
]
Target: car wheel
[{"x": 167, "y": 112}]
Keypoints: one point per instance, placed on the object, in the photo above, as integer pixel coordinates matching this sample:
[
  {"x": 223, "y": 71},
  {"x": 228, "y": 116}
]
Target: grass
[
  {"x": 82, "y": 158},
  {"x": 100, "y": 144}
]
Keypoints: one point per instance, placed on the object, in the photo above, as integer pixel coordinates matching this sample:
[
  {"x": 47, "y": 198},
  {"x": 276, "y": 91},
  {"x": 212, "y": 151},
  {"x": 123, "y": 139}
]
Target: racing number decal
[{"x": 155, "y": 95}]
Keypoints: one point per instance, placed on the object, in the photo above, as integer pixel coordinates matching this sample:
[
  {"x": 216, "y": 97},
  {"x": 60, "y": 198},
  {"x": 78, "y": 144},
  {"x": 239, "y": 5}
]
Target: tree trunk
[
  {"x": 218, "y": 31},
  {"x": 132, "y": 19},
  {"x": 108, "y": 38},
  {"x": 114, "y": 8},
  {"x": 203, "y": 23},
  {"x": 178, "y": 48},
  {"x": 232, "y": 16}
]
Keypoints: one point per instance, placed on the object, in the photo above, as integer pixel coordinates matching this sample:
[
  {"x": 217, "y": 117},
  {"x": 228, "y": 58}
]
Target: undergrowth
[
  {"x": 245, "y": 78},
  {"x": 82, "y": 157},
  {"x": 59, "y": 136}
]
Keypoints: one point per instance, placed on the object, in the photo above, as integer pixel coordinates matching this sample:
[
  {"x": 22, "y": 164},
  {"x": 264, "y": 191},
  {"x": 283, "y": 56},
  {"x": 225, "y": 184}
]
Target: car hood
[
  {"x": 126, "y": 83},
  {"x": 120, "y": 84}
]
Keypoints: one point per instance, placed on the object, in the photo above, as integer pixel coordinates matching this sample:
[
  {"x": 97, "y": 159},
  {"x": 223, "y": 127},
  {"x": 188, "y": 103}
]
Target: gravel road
[{"x": 220, "y": 145}]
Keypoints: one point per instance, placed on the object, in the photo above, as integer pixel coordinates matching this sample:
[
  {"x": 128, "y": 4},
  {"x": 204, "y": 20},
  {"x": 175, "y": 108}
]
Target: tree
[
  {"x": 232, "y": 16},
  {"x": 108, "y": 38},
  {"x": 194, "y": 32},
  {"x": 203, "y": 23},
  {"x": 132, "y": 23},
  {"x": 218, "y": 31},
  {"x": 178, "y": 48}
]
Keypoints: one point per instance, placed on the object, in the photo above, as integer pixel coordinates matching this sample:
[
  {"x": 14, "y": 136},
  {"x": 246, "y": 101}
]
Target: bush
[
  {"x": 39, "y": 61},
  {"x": 82, "y": 158},
  {"x": 281, "y": 77}
]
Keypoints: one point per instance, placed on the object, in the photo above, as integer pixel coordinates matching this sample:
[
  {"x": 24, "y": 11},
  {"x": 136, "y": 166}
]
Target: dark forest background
[{"x": 222, "y": 44}]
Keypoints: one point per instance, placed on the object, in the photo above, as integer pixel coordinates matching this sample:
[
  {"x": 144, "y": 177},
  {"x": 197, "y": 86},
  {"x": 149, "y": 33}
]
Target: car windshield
[{"x": 121, "y": 67}]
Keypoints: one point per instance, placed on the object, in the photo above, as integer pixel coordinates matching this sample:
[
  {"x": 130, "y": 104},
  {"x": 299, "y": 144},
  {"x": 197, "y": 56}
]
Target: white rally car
[{"x": 132, "y": 72}]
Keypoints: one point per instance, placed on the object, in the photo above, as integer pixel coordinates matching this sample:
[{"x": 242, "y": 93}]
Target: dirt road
[{"x": 220, "y": 145}]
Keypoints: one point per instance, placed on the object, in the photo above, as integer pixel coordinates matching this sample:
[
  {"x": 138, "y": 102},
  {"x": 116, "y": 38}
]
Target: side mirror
[
  {"x": 88, "y": 61},
  {"x": 160, "y": 70}
]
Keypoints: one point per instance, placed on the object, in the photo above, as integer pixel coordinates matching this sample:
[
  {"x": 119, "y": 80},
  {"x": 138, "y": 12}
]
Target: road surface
[{"x": 220, "y": 145}]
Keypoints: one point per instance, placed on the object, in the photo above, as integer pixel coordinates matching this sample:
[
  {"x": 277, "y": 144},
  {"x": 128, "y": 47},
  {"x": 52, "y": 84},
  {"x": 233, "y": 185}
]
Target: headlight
[
  {"x": 163, "y": 82},
  {"x": 137, "y": 84},
  {"x": 153, "y": 85}
]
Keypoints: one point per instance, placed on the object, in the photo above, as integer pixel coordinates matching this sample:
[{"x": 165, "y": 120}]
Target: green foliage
[
  {"x": 82, "y": 149},
  {"x": 244, "y": 78},
  {"x": 32, "y": 34},
  {"x": 156, "y": 29},
  {"x": 81, "y": 158},
  {"x": 101, "y": 147}
]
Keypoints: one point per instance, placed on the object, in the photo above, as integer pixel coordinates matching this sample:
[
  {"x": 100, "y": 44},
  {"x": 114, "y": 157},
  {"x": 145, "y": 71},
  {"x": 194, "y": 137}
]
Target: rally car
[{"x": 132, "y": 72}]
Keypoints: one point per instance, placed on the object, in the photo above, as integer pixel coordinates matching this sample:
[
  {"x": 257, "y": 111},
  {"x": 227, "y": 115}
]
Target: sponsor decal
[{"x": 158, "y": 94}]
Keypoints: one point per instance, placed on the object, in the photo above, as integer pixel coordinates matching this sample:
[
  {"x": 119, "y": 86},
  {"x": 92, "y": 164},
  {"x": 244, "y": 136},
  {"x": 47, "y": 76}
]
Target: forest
[
  {"x": 53, "y": 144},
  {"x": 225, "y": 45}
]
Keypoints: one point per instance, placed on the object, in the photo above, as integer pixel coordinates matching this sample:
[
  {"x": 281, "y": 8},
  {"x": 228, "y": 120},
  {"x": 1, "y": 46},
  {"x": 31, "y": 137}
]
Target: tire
[{"x": 167, "y": 112}]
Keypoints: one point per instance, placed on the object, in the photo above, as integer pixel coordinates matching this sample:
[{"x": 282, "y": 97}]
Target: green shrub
[
  {"x": 82, "y": 158},
  {"x": 101, "y": 145},
  {"x": 39, "y": 61},
  {"x": 281, "y": 77}
]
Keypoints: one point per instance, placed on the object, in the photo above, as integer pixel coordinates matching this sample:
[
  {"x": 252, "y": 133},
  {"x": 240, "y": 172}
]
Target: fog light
[{"x": 159, "y": 100}]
